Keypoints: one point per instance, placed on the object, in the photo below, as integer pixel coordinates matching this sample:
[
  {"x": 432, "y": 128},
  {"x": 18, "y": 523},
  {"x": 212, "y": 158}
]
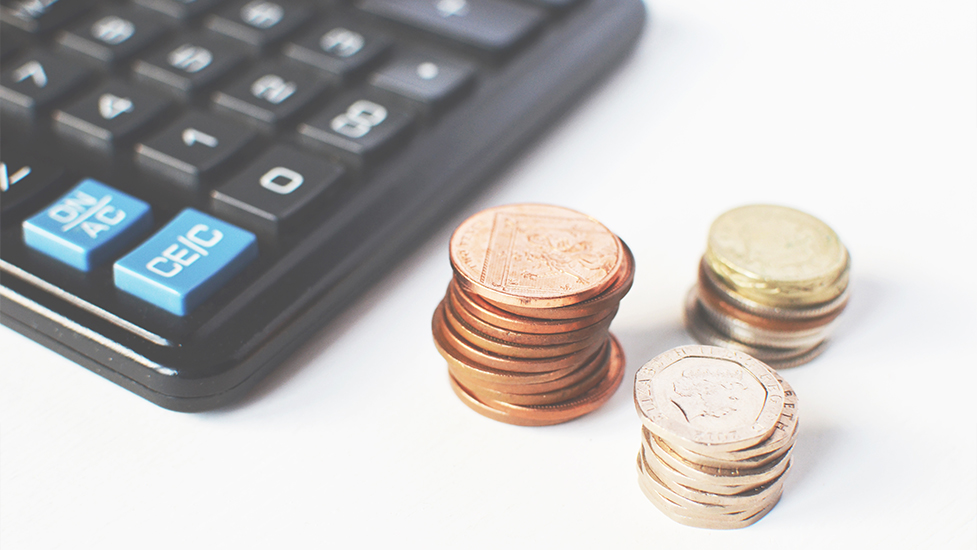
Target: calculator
[{"x": 192, "y": 188}]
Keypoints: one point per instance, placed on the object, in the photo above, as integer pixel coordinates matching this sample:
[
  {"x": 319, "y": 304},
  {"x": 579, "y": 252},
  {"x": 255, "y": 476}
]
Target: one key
[
  {"x": 88, "y": 225},
  {"x": 259, "y": 23},
  {"x": 190, "y": 64},
  {"x": 493, "y": 26},
  {"x": 270, "y": 94},
  {"x": 22, "y": 179},
  {"x": 280, "y": 189},
  {"x": 110, "y": 117},
  {"x": 185, "y": 262},
  {"x": 29, "y": 88},
  {"x": 40, "y": 16},
  {"x": 113, "y": 36},
  {"x": 338, "y": 47},
  {"x": 194, "y": 149},
  {"x": 359, "y": 128},
  {"x": 428, "y": 79},
  {"x": 180, "y": 9}
]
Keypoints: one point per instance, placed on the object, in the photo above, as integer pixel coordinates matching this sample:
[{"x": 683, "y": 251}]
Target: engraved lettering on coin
[{"x": 536, "y": 252}]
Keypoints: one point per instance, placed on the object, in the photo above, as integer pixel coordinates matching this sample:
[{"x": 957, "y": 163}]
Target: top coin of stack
[
  {"x": 772, "y": 283},
  {"x": 717, "y": 431},
  {"x": 524, "y": 323}
]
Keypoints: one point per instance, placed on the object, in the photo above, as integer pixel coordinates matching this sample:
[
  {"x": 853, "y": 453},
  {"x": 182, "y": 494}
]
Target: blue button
[
  {"x": 88, "y": 225},
  {"x": 185, "y": 262}
]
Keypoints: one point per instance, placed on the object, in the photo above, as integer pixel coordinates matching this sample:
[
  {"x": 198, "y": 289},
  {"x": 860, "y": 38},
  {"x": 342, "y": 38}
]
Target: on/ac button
[{"x": 185, "y": 262}]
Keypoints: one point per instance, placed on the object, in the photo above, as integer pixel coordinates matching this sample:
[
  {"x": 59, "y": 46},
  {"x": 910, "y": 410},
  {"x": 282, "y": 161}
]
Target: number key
[
  {"x": 338, "y": 47},
  {"x": 259, "y": 23},
  {"x": 277, "y": 191},
  {"x": 34, "y": 84},
  {"x": 194, "y": 149},
  {"x": 189, "y": 64},
  {"x": 109, "y": 117},
  {"x": 113, "y": 36},
  {"x": 358, "y": 128},
  {"x": 270, "y": 94}
]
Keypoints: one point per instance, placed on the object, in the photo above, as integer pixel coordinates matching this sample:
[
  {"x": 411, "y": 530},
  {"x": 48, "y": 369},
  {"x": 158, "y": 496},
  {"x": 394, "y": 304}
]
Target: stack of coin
[
  {"x": 524, "y": 324},
  {"x": 772, "y": 283},
  {"x": 717, "y": 431}
]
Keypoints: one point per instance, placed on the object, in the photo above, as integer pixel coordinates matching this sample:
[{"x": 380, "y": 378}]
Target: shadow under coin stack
[
  {"x": 718, "y": 428},
  {"x": 772, "y": 283},
  {"x": 524, "y": 324}
]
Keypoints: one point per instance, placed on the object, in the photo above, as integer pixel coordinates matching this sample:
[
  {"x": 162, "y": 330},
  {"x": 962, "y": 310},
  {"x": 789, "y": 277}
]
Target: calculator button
[
  {"x": 185, "y": 262},
  {"x": 180, "y": 9},
  {"x": 88, "y": 225},
  {"x": 32, "y": 85},
  {"x": 277, "y": 191},
  {"x": 428, "y": 79},
  {"x": 193, "y": 149},
  {"x": 358, "y": 128},
  {"x": 259, "y": 23},
  {"x": 109, "y": 117},
  {"x": 270, "y": 93},
  {"x": 338, "y": 47},
  {"x": 190, "y": 63},
  {"x": 490, "y": 25},
  {"x": 22, "y": 178},
  {"x": 113, "y": 36},
  {"x": 40, "y": 16}
]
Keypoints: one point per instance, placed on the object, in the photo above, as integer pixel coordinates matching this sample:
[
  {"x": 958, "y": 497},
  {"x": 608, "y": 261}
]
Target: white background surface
[{"x": 862, "y": 113}]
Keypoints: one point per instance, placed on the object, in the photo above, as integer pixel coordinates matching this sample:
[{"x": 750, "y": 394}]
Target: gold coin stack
[
  {"x": 772, "y": 283},
  {"x": 524, "y": 324},
  {"x": 717, "y": 431}
]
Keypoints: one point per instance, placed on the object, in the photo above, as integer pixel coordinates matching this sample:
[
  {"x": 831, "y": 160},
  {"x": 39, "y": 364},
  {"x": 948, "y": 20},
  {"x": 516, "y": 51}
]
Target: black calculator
[{"x": 192, "y": 188}]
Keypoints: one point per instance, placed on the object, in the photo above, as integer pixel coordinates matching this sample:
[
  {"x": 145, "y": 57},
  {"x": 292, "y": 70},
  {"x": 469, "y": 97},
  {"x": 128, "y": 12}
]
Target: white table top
[{"x": 863, "y": 113}]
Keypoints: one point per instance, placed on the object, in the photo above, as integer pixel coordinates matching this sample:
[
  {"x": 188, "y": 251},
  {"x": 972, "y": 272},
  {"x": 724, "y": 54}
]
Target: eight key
[{"x": 114, "y": 35}]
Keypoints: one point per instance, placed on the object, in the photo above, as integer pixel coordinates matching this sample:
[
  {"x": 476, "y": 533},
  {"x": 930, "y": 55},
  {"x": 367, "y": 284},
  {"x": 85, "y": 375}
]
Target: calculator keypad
[{"x": 200, "y": 182}]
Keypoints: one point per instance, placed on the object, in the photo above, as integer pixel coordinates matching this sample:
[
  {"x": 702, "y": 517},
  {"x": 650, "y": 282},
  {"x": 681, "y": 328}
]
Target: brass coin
[
  {"x": 458, "y": 307},
  {"x": 544, "y": 415},
  {"x": 534, "y": 255},
  {"x": 602, "y": 302},
  {"x": 775, "y": 319},
  {"x": 683, "y": 516},
  {"x": 444, "y": 333},
  {"x": 738, "y": 477},
  {"x": 735, "y": 505},
  {"x": 708, "y": 398},
  {"x": 508, "y": 349},
  {"x": 762, "y": 453},
  {"x": 777, "y": 255},
  {"x": 672, "y": 477},
  {"x": 752, "y": 497}
]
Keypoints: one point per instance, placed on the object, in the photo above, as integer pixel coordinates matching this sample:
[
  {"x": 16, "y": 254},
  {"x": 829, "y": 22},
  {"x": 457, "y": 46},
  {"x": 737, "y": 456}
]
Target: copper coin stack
[
  {"x": 717, "y": 431},
  {"x": 772, "y": 283},
  {"x": 524, "y": 324}
]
